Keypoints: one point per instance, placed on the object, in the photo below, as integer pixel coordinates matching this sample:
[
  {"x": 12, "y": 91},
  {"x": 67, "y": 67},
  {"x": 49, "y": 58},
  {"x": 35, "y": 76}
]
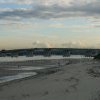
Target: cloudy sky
[{"x": 49, "y": 23}]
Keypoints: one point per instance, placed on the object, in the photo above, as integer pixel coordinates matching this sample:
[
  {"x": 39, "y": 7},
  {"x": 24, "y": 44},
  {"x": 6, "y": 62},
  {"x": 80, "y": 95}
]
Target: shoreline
[
  {"x": 73, "y": 81},
  {"x": 41, "y": 72}
]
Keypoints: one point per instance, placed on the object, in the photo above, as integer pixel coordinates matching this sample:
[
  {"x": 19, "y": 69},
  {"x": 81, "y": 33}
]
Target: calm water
[
  {"x": 18, "y": 76},
  {"x": 23, "y": 58},
  {"x": 28, "y": 68}
]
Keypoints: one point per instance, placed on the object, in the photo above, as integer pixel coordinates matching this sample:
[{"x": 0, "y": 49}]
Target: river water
[
  {"x": 28, "y": 70},
  {"x": 23, "y": 58}
]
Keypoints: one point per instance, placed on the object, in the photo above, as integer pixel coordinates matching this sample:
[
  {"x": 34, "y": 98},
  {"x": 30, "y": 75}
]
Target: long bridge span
[{"x": 49, "y": 52}]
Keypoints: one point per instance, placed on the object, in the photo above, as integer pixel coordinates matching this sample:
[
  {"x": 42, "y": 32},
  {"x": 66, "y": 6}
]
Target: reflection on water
[
  {"x": 27, "y": 71},
  {"x": 23, "y": 58},
  {"x": 27, "y": 68},
  {"x": 18, "y": 76}
]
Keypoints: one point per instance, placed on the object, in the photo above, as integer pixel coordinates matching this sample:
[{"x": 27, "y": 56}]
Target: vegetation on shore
[{"x": 97, "y": 56}]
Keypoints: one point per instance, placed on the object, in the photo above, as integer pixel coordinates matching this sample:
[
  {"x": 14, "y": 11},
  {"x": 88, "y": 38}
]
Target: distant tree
[
  {"x": 97, "y": 56},
  {"x": 3, "y": 51}
]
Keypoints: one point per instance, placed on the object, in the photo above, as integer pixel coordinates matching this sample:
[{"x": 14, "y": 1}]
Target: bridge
[{"x": 49, "y": 52}]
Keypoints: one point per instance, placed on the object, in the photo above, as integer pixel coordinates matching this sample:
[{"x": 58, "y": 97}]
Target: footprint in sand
[
  {"x": 25, "y": 95},
  {"x": 73, "y": 87},
  {"x": 95, "y": 96},
  {"x": 45, "y": 93},
  {"x": 72, "y": 79},
  {"x": 67, "y": 91},
  {"x": 57, "y": 80}
]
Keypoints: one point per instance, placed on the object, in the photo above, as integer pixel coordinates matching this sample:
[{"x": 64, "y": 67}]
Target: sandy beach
[{"x": 71, "y": 80}]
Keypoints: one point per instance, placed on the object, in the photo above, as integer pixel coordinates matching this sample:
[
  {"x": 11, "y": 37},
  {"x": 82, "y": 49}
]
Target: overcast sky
[{"x": 49, "y": 23}]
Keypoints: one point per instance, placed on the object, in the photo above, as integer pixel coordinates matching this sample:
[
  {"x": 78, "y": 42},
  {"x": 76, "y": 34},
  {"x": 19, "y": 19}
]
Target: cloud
[
  {"x": 70, "y": 44},
  {"x": 39, "y": 44},
  {"x": 74, "y": 44},
  {"x": 58, "y": 25},
  {"x": 27, "y": 2},
  {"x": 48, "y": 9}
]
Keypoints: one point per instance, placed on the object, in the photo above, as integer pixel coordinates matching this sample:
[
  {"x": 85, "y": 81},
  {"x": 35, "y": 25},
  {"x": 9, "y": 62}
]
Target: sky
[{"x": 49, "y": 24}]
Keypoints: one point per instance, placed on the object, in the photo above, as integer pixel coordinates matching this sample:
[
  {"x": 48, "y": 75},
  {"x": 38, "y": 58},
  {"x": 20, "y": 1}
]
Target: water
[
  {"x": 27, "y": 72},
  {"x": 27, "y": 68},
  {"x": 30, "y": 69},
  {"x": 24, "y": 58},
  {"x": 18, "y": 76}
]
